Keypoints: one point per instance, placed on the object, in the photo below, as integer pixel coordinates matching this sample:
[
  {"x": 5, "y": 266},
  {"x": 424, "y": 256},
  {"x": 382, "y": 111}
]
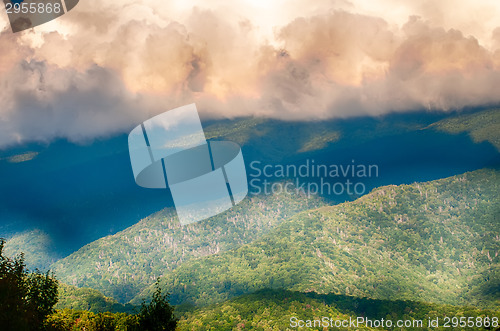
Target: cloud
[
  {"x": 104, "y": 67},
  {"x": 50, "y": 102}
]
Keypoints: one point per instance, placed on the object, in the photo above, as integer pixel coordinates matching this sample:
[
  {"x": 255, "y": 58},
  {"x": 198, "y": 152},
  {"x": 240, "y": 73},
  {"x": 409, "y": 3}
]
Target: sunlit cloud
[{"x": 106, "y": 66}]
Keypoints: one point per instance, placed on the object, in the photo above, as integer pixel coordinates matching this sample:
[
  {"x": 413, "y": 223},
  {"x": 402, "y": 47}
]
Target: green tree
[
  {"x": 158, "y": 314},
  {"x": 26, "y": 299}
]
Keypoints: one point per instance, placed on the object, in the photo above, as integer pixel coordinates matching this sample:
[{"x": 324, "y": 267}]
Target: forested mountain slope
[
  {"x": 123, "y": 264},
  {"x": 437, "y": 241},
  {"x": 104, "y": 198},
  {"x": 281, "y": 310},
  {"x": 37, "y": 247}
]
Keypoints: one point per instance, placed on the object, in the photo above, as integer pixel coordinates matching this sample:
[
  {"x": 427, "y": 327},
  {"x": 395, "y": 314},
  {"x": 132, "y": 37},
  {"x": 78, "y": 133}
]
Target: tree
[
  {"x": 26, "y": 299},
  {"x": 158, "y": 314}
]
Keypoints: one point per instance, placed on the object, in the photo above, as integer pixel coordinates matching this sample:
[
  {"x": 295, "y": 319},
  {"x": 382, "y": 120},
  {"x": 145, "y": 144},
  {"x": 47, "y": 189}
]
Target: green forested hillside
[
  {"x": 71, "y": 297},
  {"x": 283, "y": 310},
  {"x": 434, "y": 242},
  {"x": 278, "y": 309},
  {"x": 481, "y": 126},
  {"x": 123, "y": 264},
  {"x": 37, "y": 247}
]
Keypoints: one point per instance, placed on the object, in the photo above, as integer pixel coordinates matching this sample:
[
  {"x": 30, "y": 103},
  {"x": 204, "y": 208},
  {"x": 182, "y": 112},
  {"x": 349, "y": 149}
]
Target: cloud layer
[{"x": 104, "y": 67}]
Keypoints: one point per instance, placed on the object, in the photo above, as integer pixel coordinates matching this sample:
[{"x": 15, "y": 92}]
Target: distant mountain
[
  {"x": 73, "y": 193},
  {"x": 123, "y": 264},
  {"x": 437, "y": 241},
  {"x": 37, "y": 247},
  {"x": 265, "y": 137},
  {"x": 282, "y": 310},
  {"x": 481, "y": 126},
  {"x": 77, "y": 193}
]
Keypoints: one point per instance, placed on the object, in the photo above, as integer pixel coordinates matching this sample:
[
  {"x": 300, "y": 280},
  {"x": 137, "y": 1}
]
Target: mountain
[
  {"x": 79, "y": 192},
  {"x": 37, "y": 247},
  {"x": 123, "y": 264},
  {"x": 74, "y": 193},
  {"x": 481, "y": 126},
  {"x": 425, "y": 241},
  {"x": 437, "y": 242},
  {"x": 281, "y": 310}
]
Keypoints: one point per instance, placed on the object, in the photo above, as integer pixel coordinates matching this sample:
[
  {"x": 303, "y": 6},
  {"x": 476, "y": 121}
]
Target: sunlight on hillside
[
  {"x": 28, "y": 156},
  {"x": 482, "y": 126},
  {"x": 319, "y": 142}
]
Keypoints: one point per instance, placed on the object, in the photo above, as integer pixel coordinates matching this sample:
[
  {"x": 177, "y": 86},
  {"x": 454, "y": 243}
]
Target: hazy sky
[{"x": 106, "y": 66}]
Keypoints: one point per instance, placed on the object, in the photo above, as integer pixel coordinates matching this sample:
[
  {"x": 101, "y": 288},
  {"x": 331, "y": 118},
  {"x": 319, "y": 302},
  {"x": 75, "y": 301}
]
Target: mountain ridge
[
  {"x": 119, "y": 265},
  {"x": 430, "y": 246},
  {"x": 104, "y": 198}
]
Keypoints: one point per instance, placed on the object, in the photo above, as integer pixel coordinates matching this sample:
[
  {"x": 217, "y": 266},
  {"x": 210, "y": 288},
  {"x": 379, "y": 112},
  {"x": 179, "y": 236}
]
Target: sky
[{"x": 105, "y": 67}]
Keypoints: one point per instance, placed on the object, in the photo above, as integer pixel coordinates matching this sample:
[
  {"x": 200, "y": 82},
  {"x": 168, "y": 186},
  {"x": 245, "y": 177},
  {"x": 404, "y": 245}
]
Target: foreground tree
[
  {"x": 158, "y": 315},
  {"x": 26, "y": 299}
]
